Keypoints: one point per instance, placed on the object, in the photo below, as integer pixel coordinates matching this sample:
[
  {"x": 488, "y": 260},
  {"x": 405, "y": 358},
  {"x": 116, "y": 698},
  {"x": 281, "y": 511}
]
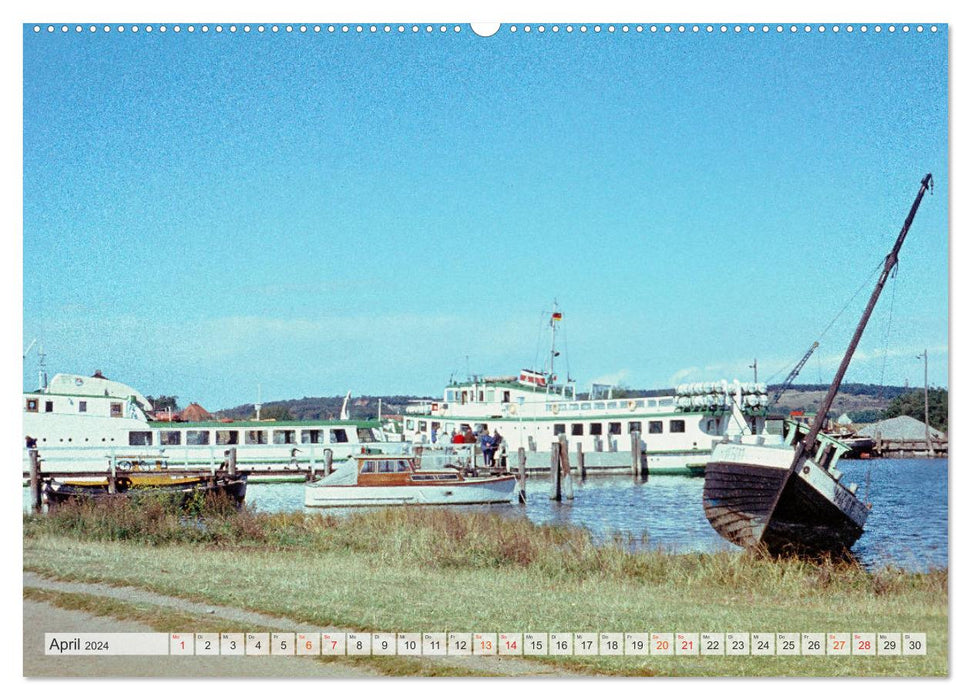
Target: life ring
[
  {"x": 555, "y": 408},
  {"x": 512, "y": 409},
  {"x": 631, "y": 405}
]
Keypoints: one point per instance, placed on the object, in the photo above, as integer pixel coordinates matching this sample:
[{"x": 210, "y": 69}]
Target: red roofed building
[{"x": 193, "y": 413}]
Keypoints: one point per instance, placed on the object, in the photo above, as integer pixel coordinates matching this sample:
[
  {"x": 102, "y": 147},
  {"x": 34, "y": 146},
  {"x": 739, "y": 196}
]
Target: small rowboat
[
  {"x": 137, "y": 483},
  {"x": 394, "y": 480}
]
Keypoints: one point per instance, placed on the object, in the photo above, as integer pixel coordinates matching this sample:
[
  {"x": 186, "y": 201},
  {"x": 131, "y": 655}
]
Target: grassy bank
[{"x": 413, "y": 569}]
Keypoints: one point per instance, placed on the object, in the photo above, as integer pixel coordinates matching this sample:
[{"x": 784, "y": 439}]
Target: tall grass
[{"x": 447, "y": 539}]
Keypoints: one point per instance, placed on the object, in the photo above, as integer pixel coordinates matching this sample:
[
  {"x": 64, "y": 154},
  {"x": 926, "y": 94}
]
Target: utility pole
[
  {"x": 927, "y": 410},
  {"x": 755, "y": 366}
]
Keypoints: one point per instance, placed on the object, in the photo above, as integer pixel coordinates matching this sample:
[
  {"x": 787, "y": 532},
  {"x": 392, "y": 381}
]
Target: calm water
[{"x": 907, "y": 526}]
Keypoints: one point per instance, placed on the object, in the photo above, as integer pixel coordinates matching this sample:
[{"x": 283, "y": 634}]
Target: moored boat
[
  {"x": 181, "y": 487},
  {"x": 677, "y": 429},
  {"x": 384, "y": 480},
  {"x": 79, "y": 423},
  {"x": 788, "y": 498}
]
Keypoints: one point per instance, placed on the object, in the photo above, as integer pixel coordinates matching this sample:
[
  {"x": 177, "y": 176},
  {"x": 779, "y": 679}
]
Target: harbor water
[{"x": 907, "y": 527}]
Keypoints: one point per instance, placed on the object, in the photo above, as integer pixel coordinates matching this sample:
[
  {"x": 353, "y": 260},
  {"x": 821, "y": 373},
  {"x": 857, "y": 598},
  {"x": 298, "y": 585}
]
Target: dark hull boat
[
  {"x": 752, "y": 501},
  {"x": 788, "y": 497},
  {"x": 173, "y": 486}
]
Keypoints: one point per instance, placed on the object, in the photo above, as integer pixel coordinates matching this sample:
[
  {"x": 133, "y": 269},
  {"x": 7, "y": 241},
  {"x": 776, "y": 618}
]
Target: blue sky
[{"x": 319, "y": 213}]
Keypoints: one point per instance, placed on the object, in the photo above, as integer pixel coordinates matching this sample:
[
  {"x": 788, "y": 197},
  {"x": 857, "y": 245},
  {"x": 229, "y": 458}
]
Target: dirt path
[{"x": 41, "y": 617}]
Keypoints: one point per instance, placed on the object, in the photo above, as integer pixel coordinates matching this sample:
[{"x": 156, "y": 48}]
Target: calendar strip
[{"x": 549, "y": 644}]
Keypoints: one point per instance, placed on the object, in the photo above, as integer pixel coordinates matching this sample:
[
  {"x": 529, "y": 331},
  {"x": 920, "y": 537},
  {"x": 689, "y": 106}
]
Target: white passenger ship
[
  {"x": 84, "y": 423},
  {"x": 529, "y": 410}
]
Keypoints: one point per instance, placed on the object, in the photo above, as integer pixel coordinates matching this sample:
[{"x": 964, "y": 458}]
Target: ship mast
[
  {"x": 888, "y": 266},
  {"x": 554, "y": 317}
]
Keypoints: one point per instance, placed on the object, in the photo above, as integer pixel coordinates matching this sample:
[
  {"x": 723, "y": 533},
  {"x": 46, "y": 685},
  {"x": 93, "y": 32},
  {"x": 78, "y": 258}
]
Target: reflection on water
[{"x": 907, "y": 526}]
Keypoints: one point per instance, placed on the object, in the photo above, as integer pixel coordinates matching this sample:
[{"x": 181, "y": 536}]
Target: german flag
[{"x": 557, "y": 316}]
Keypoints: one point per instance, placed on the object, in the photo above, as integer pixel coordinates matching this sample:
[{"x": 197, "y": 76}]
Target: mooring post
[
  {"x": 521, "y": 453},
  {"x": 35, "y": 492},
  {"x": 567, "y": 475},
  {"x": 556, "y": 493},
  {"x": 231, "y": 462},
  {"x": 635, "y": 453},
  {"x": 328, "y": 461},
  {"x": 581, "y": 462},
  {"x": 111, "y": 474}
]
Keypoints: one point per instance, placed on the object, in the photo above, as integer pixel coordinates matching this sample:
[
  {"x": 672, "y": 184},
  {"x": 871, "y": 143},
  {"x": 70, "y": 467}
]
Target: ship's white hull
[{"x": 484, "y": 491}]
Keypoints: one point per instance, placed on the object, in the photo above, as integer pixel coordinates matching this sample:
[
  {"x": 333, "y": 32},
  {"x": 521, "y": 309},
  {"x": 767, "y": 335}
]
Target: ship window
[
  {"x": 401, "y": 466},
  {"x": 49, "y": 407},
  {"x": 368, "y": 467},
  {"x": 311, "y": 437},
  {"x": 139, "y": 437},
  {"x": 481, "y": 428},
  {"x": 596, "y": 428},
  {"x": 385, "y": 467},
  {"x": 576, "y": 429},
  {"x": 677, "y": 426},
  {"x": 652, "y": 403},
  {"x": 634, "y": 425},
  {"x": 599, "y": 405},
  {"x": 465, "y": 397},
  {"x": 196, "y": 437},
  {"x": 284, "y": 437},
  {"x": 655, "y": 426},
  {"x": 449, "y": 395},
  {"x": 170, "y": 437},
  {"x": 613, "y": 428},
  {"x": 227, "y": 437},
  {"x": 422, "y": 426},
  {"x": 115, "y": 409},
  {"x": 480, "y": 395},
  {"x": 666, "y": 402},
  {"x": 410, "y": 424},
  {"x": 491, "y": 395},
  {"x": 82, "y": 406},
  {"x": 255, "y": 437},
  {"x": 32, "y": 405},
  {"x": 573, "y": 406},
  {"x": 365, "y": 435},
  {"x": 505, "y": 397},
  {"x": 611, "y": 404},
  {"x": 338, "y": 435},
  {"x": 559, "y": 428},
  {"x": 585, "y": 407}
]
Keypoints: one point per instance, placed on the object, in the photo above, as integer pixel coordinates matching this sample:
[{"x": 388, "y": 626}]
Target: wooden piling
[
  {"x": 328, "y": 461},
  {"x": 231, "y": 462},
  {"x": 581, "y": 462},
  {"x": 566, "y": 475},
  {"x": 112, "y": 475},
  {"x": 635, "y": 453},
  {"x": 35, "y": 490},
  {"x": 556, "y": 493},
  {"x": 521, "y": 453}
]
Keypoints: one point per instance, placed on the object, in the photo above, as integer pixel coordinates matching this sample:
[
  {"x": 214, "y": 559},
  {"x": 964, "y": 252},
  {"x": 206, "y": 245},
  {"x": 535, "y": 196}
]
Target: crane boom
[{"x": 794, "y": 373}]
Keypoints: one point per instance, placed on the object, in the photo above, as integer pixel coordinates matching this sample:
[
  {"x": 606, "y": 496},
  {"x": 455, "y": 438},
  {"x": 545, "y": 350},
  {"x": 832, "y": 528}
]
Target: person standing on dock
[{"x": 485, "y": 442}]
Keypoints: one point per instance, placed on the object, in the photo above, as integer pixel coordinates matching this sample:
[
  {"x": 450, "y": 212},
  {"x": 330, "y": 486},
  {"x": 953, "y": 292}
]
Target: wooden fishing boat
[
  {"x": 788, "y": 498},
  {"x": 139, "y": 483},
  {"x": 383, "y": 480}
]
